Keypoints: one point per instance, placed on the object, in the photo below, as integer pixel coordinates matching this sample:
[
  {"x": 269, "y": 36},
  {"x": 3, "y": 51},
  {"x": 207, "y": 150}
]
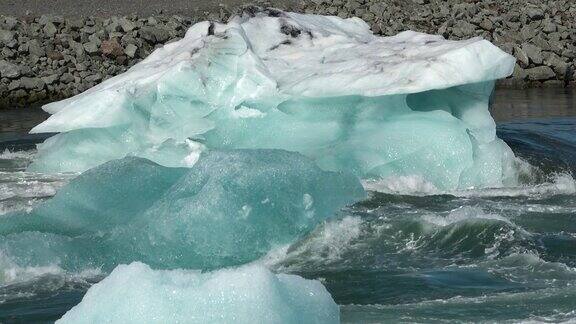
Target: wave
[
  {"x": 555, "y": 184},
  {"x": 545, "y": 305},
  {"x": 13, "y": 155}
]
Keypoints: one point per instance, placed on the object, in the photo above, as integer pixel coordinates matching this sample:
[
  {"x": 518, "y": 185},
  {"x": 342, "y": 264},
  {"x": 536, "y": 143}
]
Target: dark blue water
[{"x": 495, "y": 255}]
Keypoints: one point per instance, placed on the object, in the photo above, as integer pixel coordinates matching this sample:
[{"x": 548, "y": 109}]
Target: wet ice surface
[
  {"x": 250, "y": 294},
  {"x": 459, "y": 247},
  {"x": 379, "y": 107},
  {"x": 479, "y": 255}
]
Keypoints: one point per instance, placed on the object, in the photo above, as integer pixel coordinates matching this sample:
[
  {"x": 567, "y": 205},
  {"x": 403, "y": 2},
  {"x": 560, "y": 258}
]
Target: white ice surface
[
  {"x": 251, "y": 294},
  {"x": 412, "y": 105}
]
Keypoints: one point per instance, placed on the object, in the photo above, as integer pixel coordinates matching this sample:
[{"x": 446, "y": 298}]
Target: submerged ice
[
  {"x": 252, "y": 294},
  {"x": 231, "y": 208},
  {"x": 411, "y": 105}
]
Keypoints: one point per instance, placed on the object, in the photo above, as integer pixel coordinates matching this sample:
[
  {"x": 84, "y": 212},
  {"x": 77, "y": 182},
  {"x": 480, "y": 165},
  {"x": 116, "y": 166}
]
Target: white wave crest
[
  {"x": 326, "y": 244},
  {"x": 559, "y": 184}
]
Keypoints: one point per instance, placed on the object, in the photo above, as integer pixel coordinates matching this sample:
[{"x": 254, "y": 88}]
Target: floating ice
[
  {"x": 231, "y": 208},
  {"x": 412, "y": 105},
  {"x": 252, "y": 294}
]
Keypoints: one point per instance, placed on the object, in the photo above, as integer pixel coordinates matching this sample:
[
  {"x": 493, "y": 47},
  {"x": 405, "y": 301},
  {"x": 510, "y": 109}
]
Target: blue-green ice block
[
  {"x": 410, "y": 105},
  {"x": 251, "y": 294},
  {"x": 231, "y": 208}
]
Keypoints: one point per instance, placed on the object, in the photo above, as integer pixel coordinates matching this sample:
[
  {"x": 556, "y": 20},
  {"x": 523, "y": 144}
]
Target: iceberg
[
  {"x": 252, "y": 294},
  {"x": 410, "y": 105},
  {"x": 232, "y": 207}
]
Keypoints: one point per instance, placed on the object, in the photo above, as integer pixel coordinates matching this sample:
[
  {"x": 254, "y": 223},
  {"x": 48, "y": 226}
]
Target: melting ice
[
  {"x": 250, "y": 294},
  {"x": 243, "y": 137},
  {"x": 411, "y": 105},
  {"x": 231, "y": 208}
]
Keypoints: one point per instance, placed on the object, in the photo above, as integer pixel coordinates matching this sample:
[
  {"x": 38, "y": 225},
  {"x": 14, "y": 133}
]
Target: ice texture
[
  {"x": 231, "y": 208},
  {"x": 410, "y": 105},
  {"x": 252, "y": 294}
]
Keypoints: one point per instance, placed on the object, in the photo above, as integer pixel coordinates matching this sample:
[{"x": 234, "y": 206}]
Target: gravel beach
[{"x": 51, "y": 50}]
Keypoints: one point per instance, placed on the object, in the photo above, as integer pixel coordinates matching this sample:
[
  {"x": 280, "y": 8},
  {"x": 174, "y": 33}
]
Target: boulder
[
  {"x": 131, "y": 50},
  {"x": 9, "y": 70},
  {"x": 521, "y": 56},
  {"x": 111, "y": 48},
  {"x": 32, "y": 83},
  {"x": 50, "y": 30},
  {"x": 534, "y": 13},
  {"x": 533, "y": 52},
  {"x": 540, "y": 73},
  {"x": 34, "y": 48},
  {"x": 154, "y": 34},
  {"x": 91, "y": 47}
]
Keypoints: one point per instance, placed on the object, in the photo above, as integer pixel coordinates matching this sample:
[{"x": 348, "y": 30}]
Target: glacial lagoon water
[{"x": 404, "y": 254}]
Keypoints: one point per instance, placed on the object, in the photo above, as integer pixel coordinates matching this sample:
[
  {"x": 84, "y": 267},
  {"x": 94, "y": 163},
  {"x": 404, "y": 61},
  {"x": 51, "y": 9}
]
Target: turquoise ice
[
  {"x": 231, "y": 208},
  {"x": 411, "y": 105},
  {"x": 252, "y": 294}
]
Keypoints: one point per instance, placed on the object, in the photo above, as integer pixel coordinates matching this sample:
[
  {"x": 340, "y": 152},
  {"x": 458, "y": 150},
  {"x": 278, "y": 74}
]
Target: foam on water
[
  {"x": 557, "y": 184},
  {"x": 17, "y": 155},
  {"x": 326, "y": 244},
  {"x": 463, "y": 213},
  {"x": 20, "y": 190}
]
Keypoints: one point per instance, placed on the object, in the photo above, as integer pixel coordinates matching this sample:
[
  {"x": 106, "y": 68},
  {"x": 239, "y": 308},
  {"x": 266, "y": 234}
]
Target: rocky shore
[{"x": 49, "y": 57}]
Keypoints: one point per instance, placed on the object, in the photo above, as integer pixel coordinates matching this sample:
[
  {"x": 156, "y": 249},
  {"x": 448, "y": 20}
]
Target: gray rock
[
  {"x": 521, "y": 56},
  {"x": 519, "y": 73},
  {"x": 94, "y": 38},
  {"x": 130, "y": 50},
  {"x": 463, "y": 29},
  {"x": 34, "y": 48},
  {"x": 556, "y": 63},
  {"x": 45, "y": 19},
  {"x": 487, "y": 24},
  {"x": 15, "y": 84},
  {"x": 126, "y": 25},
  {"x": 549, "y": 26},
  {"x": 91, "y": 47},
  {"x": 88, "y": 29},
  {"x": 7, "y": 53},
  {"x": 540, "y": 73},
  {"x": 9, "y": 70},
  {"x": 154, "y": 34},
  {"x": 93, "y": 77},
  {"x": 77, "y": 48},
  {"x": 528, "y": 33},
  {"x": 75, "y": 23},
  {"x": 553, "y": 84},
  {"x": 535, "y": 13},
  {"x": 50, "y": 29},
  {"x": 32, "y": 83},
  {"x": 50, "y": 79},
  {"x": 20, "y": 94},
  {"x": 10, "y": 22},
  {"x": 113, "y": 26},
  {"x": 6, "y": 37},
  {"x": 67, "y": 78},
  {"x": 533, "y": 52}
]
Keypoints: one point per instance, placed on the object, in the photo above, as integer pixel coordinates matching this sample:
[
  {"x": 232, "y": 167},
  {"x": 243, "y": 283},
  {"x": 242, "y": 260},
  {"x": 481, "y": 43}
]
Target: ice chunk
[
  {"x": 411, "y": 105},
  {"x": 231, "y": 208},
  {"x": 252, "y": 294}
]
